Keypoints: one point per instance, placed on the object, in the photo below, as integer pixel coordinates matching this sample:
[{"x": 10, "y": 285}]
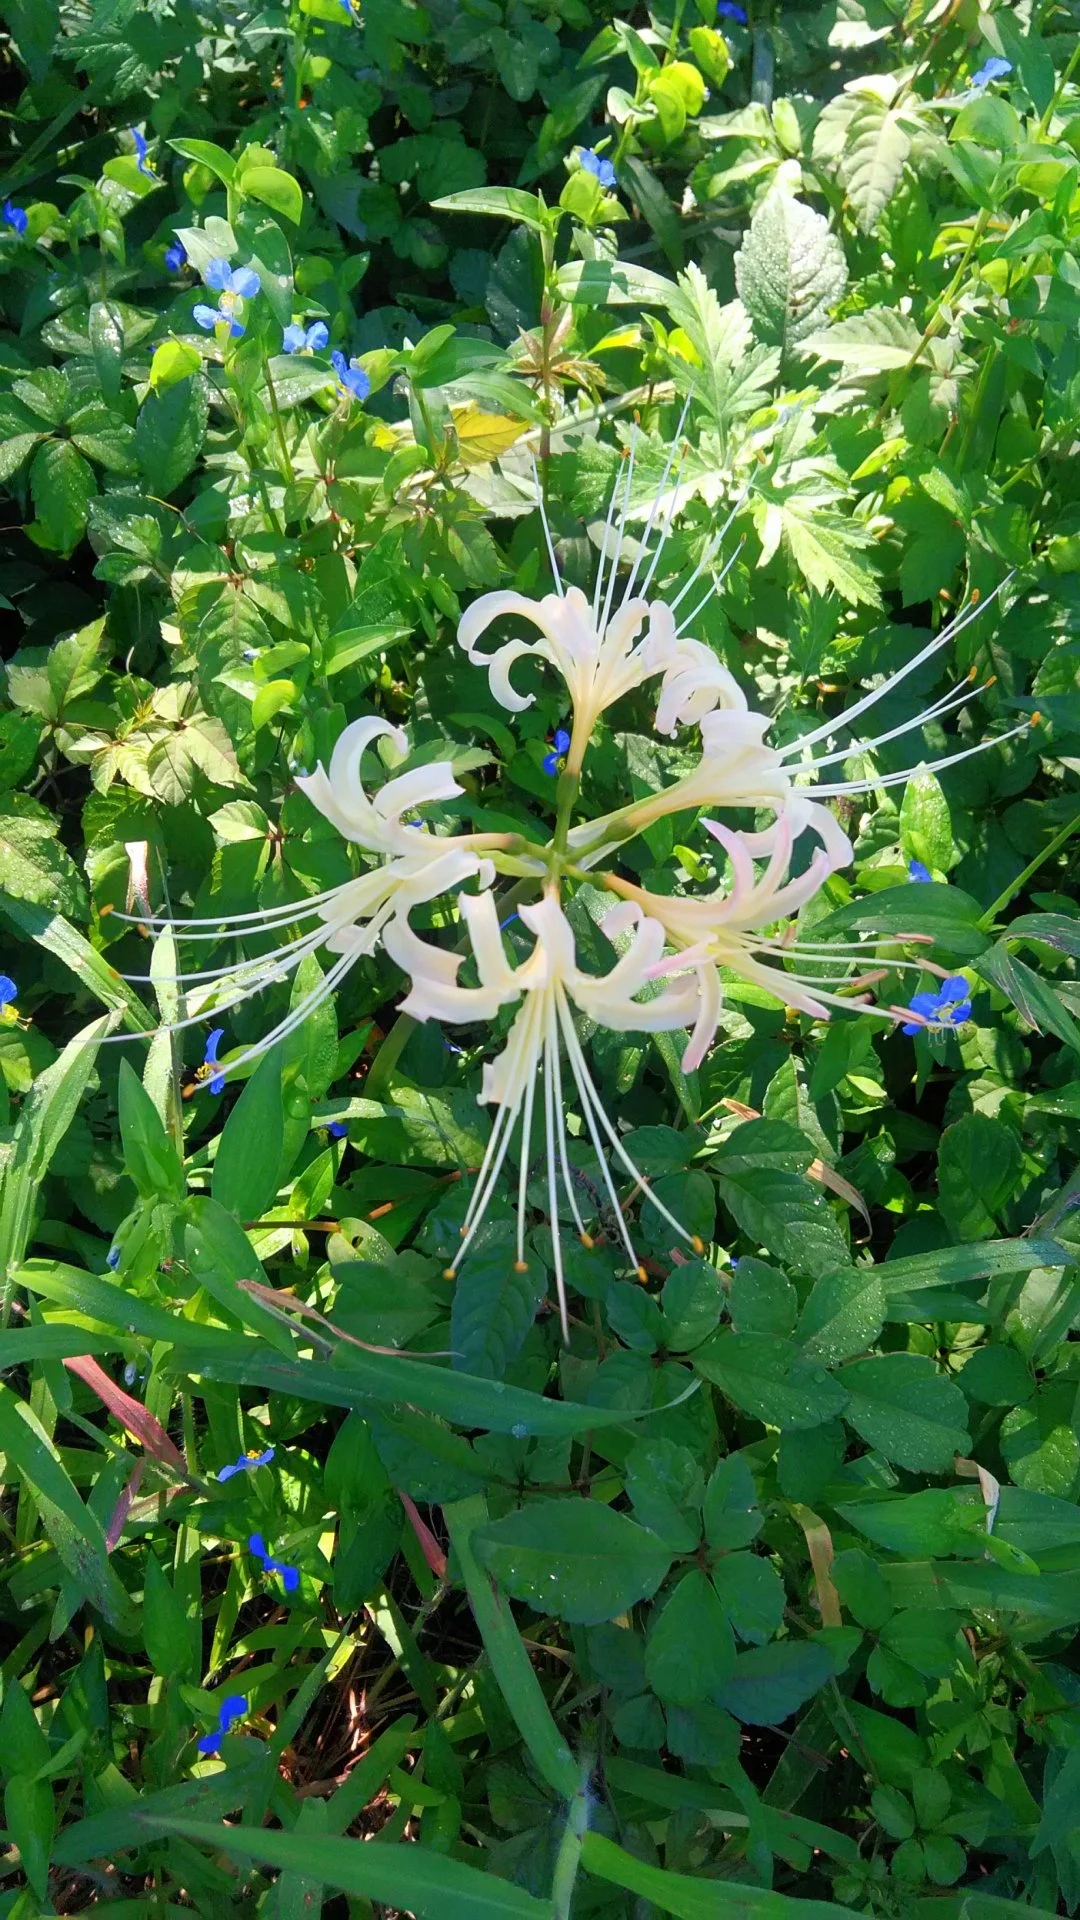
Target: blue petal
[
  {"x": 112, "y": 1259},
  {"x": 912, "y": 1027},
  {"x": 213, "y": 1041},
  {"x": 924, "y": 1003},
  {"x": 257, "y": 1545},
  {"x": 233, "y": 1707},
  {"x": 216, "y": 1083},
  {"x": 8, "y": 990},
  {"x": 205, "y": 317},
  {"x": 551, "y": 763},
  {"x": 218, "y": 275},
  {"x": 234, "y": 1466},
  {"x": 358, "y": 383},
  {"x": 954, "y": 988},
  {"x": 339, "y": 363},
  {"x": 917, "y": 871},
  {"x": 15, "y": 217},
  {"x": 956, "y": 1013},
  {"x": 293, "y": 338},
  {"x": 236, "y": 328},
  {"x": 337, "y": 1129},
  {"x": 246, "y": 283},
  {"x": 290, "y": 1578},
  {"x": 318, "y": 336},
  {"x": 562, "y": 740},
  {"x": 210, "y": 1743}
]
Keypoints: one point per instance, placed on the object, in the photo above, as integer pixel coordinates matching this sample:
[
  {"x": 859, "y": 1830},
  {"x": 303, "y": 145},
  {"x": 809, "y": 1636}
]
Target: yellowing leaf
[
  {"x": 482, "y": 437},
  {"x": 174, "y": 360}
]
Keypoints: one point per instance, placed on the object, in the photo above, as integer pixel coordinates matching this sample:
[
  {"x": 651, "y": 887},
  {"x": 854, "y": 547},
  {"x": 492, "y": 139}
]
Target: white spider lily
[
  {"x": 548, "y": 982},
  {"x": 377, "y": 825}
]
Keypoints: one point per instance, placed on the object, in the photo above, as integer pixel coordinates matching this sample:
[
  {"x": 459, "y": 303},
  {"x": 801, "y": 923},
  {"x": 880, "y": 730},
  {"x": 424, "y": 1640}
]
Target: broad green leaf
[
  {"x": 783, "y": 1213},
  {"x": 688, "y": 1897},
  {"x": 62, "y": 485},
  {"x": 1040, "y": 1443},
  {"x": 751, "y": 1593},
  {"x": 1033, "y": 997},
  {"x": 790, "y": 270},
  {"x": 948, "y": 915},
  {"x": 494, "y": 1306},
  {"x": 275, "y": 188},
  {"x": 732, "y": 1515},
  {"x": 173, "y": 361},
  {"x": 690, "y": 1649},
  {"x": 35, "y": 866},
  {"x": 207, "y": 154},
  {"x": 875, "y": 341},
  {"x": 220, "y": 1255},
  {"x": 843, "y": 1315},
  {"x": 925, "y": 822},
  {"x": 433, "y": 1886},
  {"x": 768, "y": 1377},
  {"x": 149, "y": 1155},
  {"x": 875, "y": 152},
  {"x": 248, "y": 1158},
  {"x": 770, "y": 1683},
  {"x": 980, "y": 1165},
  {"x": 73, "y": 1528},
  {"x": 905, "y": 1407},
  {"x": 169, "y": 432},
  {"x": 48, "y": 1111},
  {"x": 576, "y": 1558},
  {"x": 506, "y": 203}
]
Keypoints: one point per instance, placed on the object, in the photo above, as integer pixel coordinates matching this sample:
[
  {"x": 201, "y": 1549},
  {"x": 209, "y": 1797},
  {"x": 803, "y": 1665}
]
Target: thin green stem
[
  {"x": 278, "y": 421},
  {"x": 1074, "y": 62},
  {"x": 934, "y": 323},
  {"x": 1016, "y": 886}
]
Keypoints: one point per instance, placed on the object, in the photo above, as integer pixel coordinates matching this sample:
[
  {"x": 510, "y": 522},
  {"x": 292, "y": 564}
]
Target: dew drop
[{"x": 519, "y": 1430}]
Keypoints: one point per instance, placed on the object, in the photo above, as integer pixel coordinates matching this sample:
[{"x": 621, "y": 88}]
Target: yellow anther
[
  {"x": 642, "y": 1275},
  {"x": 1036, "y": 720},
  {"x": 521, "y": 1266},
  {"x": 697, "y": 1243},
  {"x": 448, "y": 1273},
  {"x": 587, "y": 1240}
]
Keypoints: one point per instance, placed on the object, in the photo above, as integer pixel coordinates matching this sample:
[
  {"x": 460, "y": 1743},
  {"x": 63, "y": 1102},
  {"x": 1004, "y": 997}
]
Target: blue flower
[
  {"x": 14, "y": 217},
  {"x": 949, "y": 1007},
  {"x": 338, "y": 1129},
  {"x": 994, "y": 69},
  {"x": 233, "y": 1708},
  {"x": 140, "y": 154},
  {"x": 210, "y": 1060},
  {"x": 8, "y": 990},
  {"x": 916, "y": 871},
  {"x": 352, "y": 382},
  {"x": 298, "y": 339},
  {"x": 112, "y": 1259},
  {"x": 555, "y": 761},
  {"x": 727, "y": 10},
  {"x": 601, "y": 169},
  {"x": 235, "y": 285},
  {"x": 290, "y": 1578},
  {"x": 247, "y": 1462},
  {"x": 175, "y": 257}
]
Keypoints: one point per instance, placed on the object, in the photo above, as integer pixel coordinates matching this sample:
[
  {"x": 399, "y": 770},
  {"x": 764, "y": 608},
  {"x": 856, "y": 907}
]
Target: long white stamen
[
  {"x": 933, "y": 766},
  {"x": 955, "y": 626},
  {"x": 712, "y": 547},
  {"x": 491, "y": 1165},
  {"x": 599, "y": 582},
  {"x": 666, "y": 526},
  {"x": 654, "y": 509},
  {"x": 556, "y": 575},
  {"x": 553, "y": 1202},
  {"x": 523, "y": 1169},
  {"x": 566, "y": 1021},
  {"x": 621, "y": 528},
  {"x": 635, "y": 1172},
  {"x": 954, "y": 698},
  {"x": 299, "y": 910},
  {"x": 553, "y": 1050},
  {"x": 265, "y": 962},
  {"x": 714, "y": 588},
  {"x": 293, "y": 1019}
]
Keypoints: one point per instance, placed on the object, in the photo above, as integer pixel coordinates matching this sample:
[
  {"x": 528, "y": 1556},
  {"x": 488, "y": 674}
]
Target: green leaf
[
  {"x": 169, "y": 432},
  {"x": 34, "y": 864},
  {"x": 247, "y": 1165},
  {"x": 1034, "y": 998},
  {"x": 48, "y": 1111},
  {"x": 207, "y": 154},
  {"x": 173, "y": 361},
  {"x": 825, "y": 546},
  {"x": 688, "y": 1897},
  {"x": 690, "y": 1649},
  {"x": 751, "y": 1593},
  {"x": 149, "y": 1155},
  {"x": 614, "y": 283},
  {"x": 874, "y": 341},
  {"x": 783, "y": 1213},
  {"x": 790, "y": 270},
  {"x": 769, "y": 1378},
  {"x": 75, "y": 1531},
  {"x": 275, "y": 188},
  {"x": 770, "y": 1683},
  {"x": 902, "y": 1404},
  {"x": 873, "y": 160},
  {"x": 432, "y": 1886},
  {"x": 62, "y": 486},
  {"x": 166, "y": 1634},
  {"x": 30, "y": 1817},
  {"x": 57, "y": 936},
  {"x": 980, "y": 1165},
  {"x": 1040, "y": 1443},
  {"x": 505, "y": 203},
  {"x": 576, "y": 1558},
  {"x": 948, "y": 915},
  {"x": 843, "y": 1315},
  {"x": 925, "y": 823},
  {"x": 220, "y": 1255},
  {"x": 495, "y": 1304},
  {"x": 732, "y": 1515}
]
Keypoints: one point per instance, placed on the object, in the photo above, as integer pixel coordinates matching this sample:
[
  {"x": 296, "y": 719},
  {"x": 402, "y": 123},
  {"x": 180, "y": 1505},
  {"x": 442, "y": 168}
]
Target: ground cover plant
[{"x": 539, "y": 1016}]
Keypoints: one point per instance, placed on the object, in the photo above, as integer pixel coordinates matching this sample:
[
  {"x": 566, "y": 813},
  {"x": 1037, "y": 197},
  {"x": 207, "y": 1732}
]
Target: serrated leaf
[
  {"x": 789, "y": 271},
  {"x": 980, "y": 1164},
  {"x": 577, "y": 1558},
  {"x": 874, "y": 156},
  {"x": 34, "y": 864},
  {"x": 784, "y": 1214},
  {"x": 769, "y": 1378},
  {"x": 62, "y": 486},
  {"x": 870, "y": 342},
  {"x": 901, "y": 1404}
]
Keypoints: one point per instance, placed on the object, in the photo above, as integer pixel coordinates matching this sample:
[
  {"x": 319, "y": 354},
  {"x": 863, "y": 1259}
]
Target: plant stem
[
  {"x": 1015, "y": 886},
  {"x": 934, "y": 322},
  {"x": 278, "y": 421},
  {"x": 1074, "y": 62}
]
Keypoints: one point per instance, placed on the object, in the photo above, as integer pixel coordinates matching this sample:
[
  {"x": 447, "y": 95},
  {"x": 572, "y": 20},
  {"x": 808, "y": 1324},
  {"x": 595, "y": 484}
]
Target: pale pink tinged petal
[
  {"x": 621, "y": 919},
  {"x": 709, "y": 1008},
  {"x": 822, "y": 821},
  {"x": 407, "y": 791},
  {"x": 780, "y": 858},
  {"x": 742, "y": 867},
  {"x": 499, "y": 666},
  {"x": 676, "y": 1007}
]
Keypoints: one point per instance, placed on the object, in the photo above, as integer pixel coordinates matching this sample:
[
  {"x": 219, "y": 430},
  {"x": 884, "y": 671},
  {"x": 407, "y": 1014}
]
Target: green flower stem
[
  {"x": 933, "y": 325},
  {"x": 568, "y": 1859},
  {"x": 290, "y": 472},
  {"x": 1016, "y": 886},
  {"x": 1059, "y": 90}
]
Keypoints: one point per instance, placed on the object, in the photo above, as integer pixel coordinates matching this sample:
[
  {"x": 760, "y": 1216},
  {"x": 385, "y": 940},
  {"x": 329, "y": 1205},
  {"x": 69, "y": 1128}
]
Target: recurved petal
[
  {"x": 480, "y": 914},
  {"x": 499, "y": 666},
  {"x": 350, "y": 748},
  {"x": 710, "y": 1003},
  {"x": 416, "y": 788},
  {"x": 489, "y": 608}
]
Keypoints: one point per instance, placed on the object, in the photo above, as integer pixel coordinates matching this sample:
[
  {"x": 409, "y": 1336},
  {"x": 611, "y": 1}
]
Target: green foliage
[{"x": 761, "y": 1592}]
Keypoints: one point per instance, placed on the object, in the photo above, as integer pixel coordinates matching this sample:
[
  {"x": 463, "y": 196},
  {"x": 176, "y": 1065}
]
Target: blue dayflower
[
  {"x": 290, "y": 1577},
  {"x": 210, "y": 1061},
  {"x": 600, "y": 168},
  {"x": 560, "y": 746},
  {"x": 916, "y": 871},
  {"x": 112, "y": 1259},
  {"x": 233, "y": 1708},
  {"x": 948, "y": 1008},
  {"x": 8, "y": 990},
  {"x": 727, "y": 10},
  {"x": 140, "y": 154},
  {"x": 175, "y": 257},
  {"x": 15, "y": 217},
  {"x": 235, "y": 285},
  {"x": 337, "y": 1129},
  {"x": 247, "y": 1462},
  {"x": 993, "y": 69},
  {"x": 300, "y": 339},
  {"x": 352, "y": 381}
]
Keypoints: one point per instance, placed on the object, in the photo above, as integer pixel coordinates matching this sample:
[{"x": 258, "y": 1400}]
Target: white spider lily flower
[
  {"x": 728, "y": 928},
  {"x": 549, "y": 983},
  {"x": 376, "y": 825}
]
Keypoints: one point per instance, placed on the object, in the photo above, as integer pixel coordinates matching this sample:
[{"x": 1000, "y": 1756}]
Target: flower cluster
[{"x": 672, "y": 953}]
